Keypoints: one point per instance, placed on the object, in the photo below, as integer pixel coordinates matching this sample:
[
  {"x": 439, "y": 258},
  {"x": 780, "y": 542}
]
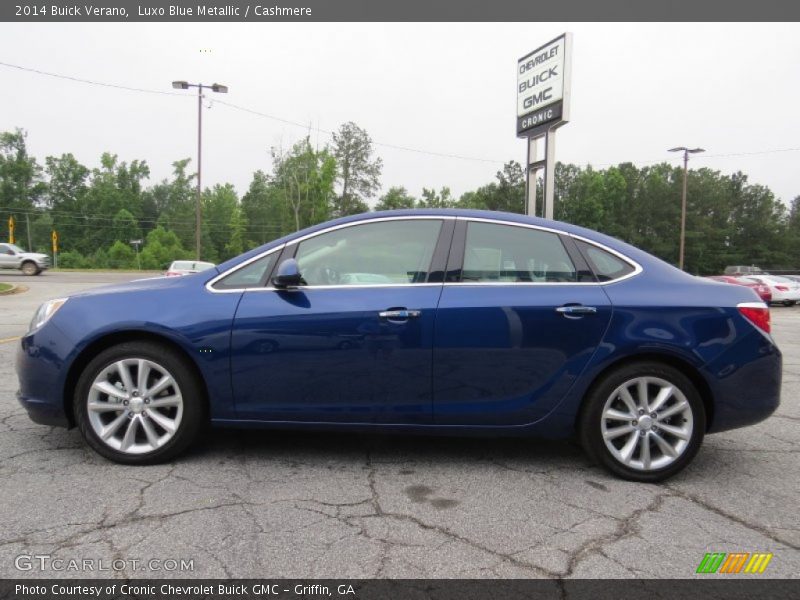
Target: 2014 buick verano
[{"x": 443, "y": 321}]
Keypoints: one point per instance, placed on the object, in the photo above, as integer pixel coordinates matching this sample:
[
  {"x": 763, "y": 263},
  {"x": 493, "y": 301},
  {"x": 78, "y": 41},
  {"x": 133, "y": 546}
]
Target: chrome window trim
[
  {"x": 210, "y": 283},
  {"x": 637, "y": 268},
  {"x": 267, "y": 288}
]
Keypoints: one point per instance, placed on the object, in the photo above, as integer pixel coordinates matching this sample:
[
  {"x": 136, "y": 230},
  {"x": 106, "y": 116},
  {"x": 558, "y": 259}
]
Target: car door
[
  {"x": 8, "y": 259},
  {"x": 519, "y": 318},
  {"x": 354, "y": 343}
]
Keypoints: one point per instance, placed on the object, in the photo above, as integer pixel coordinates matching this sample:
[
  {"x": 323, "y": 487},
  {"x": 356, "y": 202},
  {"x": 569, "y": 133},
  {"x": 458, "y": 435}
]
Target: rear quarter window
[{"x": 606, "y": 266}]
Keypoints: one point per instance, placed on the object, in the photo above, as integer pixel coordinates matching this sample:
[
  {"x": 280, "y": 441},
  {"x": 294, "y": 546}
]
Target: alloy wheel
[
  {"x": 135, "y": 405},
  {"x": 647, "y": 423}
]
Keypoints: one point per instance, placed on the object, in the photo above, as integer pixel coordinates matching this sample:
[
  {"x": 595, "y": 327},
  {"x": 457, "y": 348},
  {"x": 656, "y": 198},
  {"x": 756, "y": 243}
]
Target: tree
[
  {"x": 396, "y": 198},
  {"x": 21, "y": 186},
  {"x": 358, "y": 171},
  {"x": 304, "y": 178},
  {"x": 432, "y": 199}
]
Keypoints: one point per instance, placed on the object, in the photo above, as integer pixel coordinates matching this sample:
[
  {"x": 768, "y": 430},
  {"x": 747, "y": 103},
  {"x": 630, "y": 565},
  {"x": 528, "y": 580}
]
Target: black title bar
[{"x": 397, "y": 10}]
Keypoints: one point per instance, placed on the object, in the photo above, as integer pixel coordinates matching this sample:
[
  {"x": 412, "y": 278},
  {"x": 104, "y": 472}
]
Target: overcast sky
[{"x": 638, "y": 89}]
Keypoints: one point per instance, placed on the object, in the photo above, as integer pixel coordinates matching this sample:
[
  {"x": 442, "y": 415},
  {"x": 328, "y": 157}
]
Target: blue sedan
[{"x": 440, "y": 321}]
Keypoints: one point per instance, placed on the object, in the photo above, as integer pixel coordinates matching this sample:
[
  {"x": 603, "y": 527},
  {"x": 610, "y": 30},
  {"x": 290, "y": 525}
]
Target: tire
[
  {"x": 788, "y": 302},
  {"x": 30, "y": 268},
  {"x": 160, "y": 432},
  {"x": 618, "y": 443}
]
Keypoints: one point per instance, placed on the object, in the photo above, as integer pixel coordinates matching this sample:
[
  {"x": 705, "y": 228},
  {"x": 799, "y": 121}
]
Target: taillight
[
  {"x": 757, "y": 313},
  {"x": 782, "y": 288}
]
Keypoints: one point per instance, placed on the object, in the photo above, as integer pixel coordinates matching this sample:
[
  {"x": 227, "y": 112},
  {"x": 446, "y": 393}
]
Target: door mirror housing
[{"x": 288, "y": 275}]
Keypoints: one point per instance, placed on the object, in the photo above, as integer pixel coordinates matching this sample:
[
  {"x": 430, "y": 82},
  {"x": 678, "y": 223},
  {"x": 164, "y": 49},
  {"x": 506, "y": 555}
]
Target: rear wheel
[
  {"x": 30, "y": 268},
  {"x": 643, "y": 422},
  {"x": 139, "y": 403}
]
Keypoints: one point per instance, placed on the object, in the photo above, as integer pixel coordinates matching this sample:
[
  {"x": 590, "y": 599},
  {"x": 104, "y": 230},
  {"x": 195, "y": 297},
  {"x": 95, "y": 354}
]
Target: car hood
[
  {"x": 151, "y": 283},
  {"x": 37, "y": 255}
]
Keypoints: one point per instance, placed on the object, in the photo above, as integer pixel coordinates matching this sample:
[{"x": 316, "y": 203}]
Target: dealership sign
[{"x": 543, "y": 86}]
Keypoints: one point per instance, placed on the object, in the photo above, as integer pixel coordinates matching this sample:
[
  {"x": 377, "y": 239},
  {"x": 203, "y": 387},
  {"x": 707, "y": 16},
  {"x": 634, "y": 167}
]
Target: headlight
[{"x": 45, "y": 311}]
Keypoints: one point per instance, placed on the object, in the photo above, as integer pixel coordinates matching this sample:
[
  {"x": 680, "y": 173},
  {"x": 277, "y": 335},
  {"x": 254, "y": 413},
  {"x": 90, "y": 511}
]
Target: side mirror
[{"x": 288, "y": 275}]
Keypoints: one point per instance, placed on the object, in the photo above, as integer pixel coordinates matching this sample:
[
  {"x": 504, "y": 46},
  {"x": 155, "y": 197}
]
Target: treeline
[{"x": 99, "y": 211}]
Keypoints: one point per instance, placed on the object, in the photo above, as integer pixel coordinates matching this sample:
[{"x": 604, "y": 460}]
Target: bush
[
  {"x": 72, "y": 259},
  {"x": 121, "y": 256}
]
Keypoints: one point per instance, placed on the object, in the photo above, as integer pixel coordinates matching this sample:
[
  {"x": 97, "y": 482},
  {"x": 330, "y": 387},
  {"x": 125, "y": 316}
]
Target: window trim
[
  {"x": 296, "y": 242},
  {"x": 637, "y": 268}
]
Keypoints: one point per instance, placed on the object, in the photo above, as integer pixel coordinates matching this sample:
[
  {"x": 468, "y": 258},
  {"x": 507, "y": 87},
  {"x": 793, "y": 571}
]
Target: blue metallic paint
[{"x": 321, "y": 358}]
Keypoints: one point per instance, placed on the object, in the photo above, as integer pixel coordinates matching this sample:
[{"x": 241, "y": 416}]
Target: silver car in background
[
  {"x": 784, "y": 290},
  {"x": 30, "y": 263}
]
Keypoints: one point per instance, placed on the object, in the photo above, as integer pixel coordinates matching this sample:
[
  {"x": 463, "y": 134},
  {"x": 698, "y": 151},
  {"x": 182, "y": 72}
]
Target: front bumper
[
  {"x": 40, "y": 368},
  {"x": 43, "y": 412}
]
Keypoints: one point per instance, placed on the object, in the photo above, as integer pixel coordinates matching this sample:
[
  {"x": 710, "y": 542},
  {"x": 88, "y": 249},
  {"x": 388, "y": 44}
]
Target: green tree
[
  {"x": 358, "y": 171},
  {"x": 396, "y": 198}
]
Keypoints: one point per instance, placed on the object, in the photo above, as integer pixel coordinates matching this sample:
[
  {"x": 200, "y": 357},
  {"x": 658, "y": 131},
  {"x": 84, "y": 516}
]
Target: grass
[{"x": 4, "y": 287}]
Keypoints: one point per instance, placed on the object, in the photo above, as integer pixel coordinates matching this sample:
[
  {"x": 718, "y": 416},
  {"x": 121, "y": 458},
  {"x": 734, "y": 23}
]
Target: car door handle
[
  {"x": 399, "y": 314},
  {"x": 576, "y": 309}
]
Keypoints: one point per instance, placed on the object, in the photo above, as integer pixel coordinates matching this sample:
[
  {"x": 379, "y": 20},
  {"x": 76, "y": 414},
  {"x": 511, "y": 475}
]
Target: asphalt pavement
[{"x": 264, "y": 504}]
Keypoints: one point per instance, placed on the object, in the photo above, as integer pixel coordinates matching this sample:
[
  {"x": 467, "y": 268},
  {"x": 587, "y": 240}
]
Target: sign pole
[{"x": 549, "y": 172}]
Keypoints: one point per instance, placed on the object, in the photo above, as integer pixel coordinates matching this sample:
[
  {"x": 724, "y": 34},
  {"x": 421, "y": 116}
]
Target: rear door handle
[
  {"x": 399, "y": 314},
  {"x": 576, "y": 310}
]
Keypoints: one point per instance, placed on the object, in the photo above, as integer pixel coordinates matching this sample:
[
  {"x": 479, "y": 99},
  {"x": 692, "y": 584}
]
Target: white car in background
[
  {"x": 187, "y": 267},
  {"x": 784, "y": 290}
]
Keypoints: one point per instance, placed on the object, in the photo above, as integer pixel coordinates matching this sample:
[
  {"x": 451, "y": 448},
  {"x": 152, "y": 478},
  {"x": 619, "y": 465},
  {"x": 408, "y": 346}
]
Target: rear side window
[
  {"x": 253, "y": 275},
  {"x": 505, "y": 253},
  {"x": 606, "y": 266}
]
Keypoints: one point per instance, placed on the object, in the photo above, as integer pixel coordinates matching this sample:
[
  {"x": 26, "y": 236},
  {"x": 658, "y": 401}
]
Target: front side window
[
  {"x": 378, "y": 253},
  {"x": 505, "y": 253},
  {"x": 250, "y": 276}
]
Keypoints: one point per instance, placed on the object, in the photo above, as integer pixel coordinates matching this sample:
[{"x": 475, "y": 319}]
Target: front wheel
[
  {"x": 139, "y": 403},
  {"x": 30, "y": 268},
  {"x": 644, "y": 422}
]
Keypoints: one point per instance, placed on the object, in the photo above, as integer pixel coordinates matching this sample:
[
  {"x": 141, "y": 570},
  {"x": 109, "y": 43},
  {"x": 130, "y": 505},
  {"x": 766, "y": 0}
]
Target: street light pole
[
  {"x": 686, "y": 152},
  {"x": 222, "y": 89}
]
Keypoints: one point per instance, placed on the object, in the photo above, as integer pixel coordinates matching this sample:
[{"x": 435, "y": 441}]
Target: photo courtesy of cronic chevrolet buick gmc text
[{"x": 425, "y": 321}]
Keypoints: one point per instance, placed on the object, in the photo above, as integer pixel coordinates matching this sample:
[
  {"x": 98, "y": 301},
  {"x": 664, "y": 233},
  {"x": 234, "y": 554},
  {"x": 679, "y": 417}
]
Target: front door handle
[
  {"x": 400, "y": 314},
  {"x": 575, "y": 310}
]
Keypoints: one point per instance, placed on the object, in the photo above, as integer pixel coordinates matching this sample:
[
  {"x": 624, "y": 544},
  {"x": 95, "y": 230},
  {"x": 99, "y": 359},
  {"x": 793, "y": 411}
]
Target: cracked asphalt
[{"x": 257, "y": 504}]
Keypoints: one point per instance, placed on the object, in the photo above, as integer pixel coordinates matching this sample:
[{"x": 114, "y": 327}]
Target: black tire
[
  {"x": 591, "y": 417},
  {"x": 194, "y": 411},
  {"x": 30, "y": 268},
  {"x": 788, "y": 302}
]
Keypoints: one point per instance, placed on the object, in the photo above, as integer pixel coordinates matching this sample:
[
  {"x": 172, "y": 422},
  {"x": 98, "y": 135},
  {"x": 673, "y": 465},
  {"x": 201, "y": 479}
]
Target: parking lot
[{"x": 267, "y": 504}]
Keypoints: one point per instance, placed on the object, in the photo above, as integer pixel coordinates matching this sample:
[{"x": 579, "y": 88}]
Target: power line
[
  {"x": 376, "y": 143},
  {"x": 89, "y": 81}
]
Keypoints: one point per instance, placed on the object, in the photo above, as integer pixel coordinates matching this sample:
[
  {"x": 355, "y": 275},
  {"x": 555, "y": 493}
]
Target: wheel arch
[
  {"x": 671, "y": 360},
  {"x": 112, "y": 339}
]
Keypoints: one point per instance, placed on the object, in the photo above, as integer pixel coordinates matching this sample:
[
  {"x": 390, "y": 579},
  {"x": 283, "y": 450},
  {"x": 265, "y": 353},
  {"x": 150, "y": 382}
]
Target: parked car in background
[
  {"x": 424, "y": 321},
  {"x": 762, "y": 289},
  {"x": 738, "y": 270},
  {"x": 30, "y": 263},
  {"x": 784, "y": 290},
  {"x": 187, "y": 267}
]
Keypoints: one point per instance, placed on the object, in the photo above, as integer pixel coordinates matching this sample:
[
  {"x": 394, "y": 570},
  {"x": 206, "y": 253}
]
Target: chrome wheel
[
  {"x": 134, "y": 405},
  {"x": 647, "y": 423}
]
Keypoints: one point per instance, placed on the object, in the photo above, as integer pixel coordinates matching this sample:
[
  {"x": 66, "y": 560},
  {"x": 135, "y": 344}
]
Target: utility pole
[
  {"x": 28, "y": 228},
  {"x": 222, "y": 89},
  {"x": 686, "y": 153}
]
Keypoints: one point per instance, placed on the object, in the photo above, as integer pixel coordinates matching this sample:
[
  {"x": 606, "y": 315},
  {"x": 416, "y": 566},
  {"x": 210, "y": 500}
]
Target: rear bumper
[{"x": 745, "y": 381}]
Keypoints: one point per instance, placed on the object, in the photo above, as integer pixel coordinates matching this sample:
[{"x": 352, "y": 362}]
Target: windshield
[{"x": 15, "y": 248}]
